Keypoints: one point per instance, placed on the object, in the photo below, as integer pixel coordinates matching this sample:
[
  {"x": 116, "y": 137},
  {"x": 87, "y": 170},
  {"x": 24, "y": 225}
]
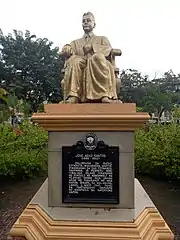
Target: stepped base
[{"x": 40, "y": 222}]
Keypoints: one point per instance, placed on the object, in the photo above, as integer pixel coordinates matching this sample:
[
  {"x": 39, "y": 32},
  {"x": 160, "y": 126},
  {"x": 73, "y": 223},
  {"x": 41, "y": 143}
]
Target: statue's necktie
[{"x": 87, "y": 38}]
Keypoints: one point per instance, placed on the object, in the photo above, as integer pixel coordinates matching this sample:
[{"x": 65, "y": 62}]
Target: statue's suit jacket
[{"x": 100, "y": 44}]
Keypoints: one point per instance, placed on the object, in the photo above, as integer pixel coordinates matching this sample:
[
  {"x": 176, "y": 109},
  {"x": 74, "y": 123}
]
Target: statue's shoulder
[
  {"x": 103, "y": 40},
  {"x": 104, "y": 37},
  {"x": 78, "y": 40},
  {"x": 100, "y": 37}
]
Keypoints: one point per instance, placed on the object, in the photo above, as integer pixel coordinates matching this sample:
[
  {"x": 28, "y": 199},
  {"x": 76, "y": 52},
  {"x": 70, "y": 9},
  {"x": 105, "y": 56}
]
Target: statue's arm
[
  {"x": 68, "y": 50},
  {"x": 73, "y": 47},
  {"x": 105, "y": 41},
  {"x": 104, "y": 47}
]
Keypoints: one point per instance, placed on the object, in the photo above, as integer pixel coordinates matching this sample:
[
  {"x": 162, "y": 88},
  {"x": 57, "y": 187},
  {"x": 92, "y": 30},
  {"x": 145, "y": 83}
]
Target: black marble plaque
[{"x": 90, "y": 176}]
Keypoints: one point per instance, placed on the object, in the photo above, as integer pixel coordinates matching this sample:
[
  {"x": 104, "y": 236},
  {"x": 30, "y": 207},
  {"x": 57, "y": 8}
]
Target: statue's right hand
[{"x": 67, "y": 50}]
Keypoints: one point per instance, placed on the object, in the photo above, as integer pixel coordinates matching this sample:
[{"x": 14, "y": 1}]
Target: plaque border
[{"x": 83, "y": 200}]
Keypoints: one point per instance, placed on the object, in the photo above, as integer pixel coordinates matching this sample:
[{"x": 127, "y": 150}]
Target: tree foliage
[
  {"x": 152, "y": 95},
  {"x": 30, "y": 67}
]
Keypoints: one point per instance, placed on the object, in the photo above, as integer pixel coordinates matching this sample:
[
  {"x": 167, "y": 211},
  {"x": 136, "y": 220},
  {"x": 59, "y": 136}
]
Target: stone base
[{"x": 40, "y": 222}]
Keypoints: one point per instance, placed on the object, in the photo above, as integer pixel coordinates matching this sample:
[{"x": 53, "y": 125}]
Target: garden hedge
[
  {"x": 23, "y": 151},
  {"x": 157, "y": 151}
]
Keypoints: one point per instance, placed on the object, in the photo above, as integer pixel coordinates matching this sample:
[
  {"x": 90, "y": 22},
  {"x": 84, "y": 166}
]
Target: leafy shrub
[
  {"x": 157, "y": 151},
  {"x": 23, "y": 152},
  {"x": 4, "y": 112}
]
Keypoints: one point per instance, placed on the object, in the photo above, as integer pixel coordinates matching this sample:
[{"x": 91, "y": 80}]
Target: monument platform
[
  {"x": 40, "y": 222},
  {"x": 90, "y": 117},
  {"x": 91, "y": 192}
]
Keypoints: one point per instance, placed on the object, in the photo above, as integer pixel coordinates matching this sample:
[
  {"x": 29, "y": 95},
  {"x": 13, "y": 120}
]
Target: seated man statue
[{"x": 89, "y": 74}]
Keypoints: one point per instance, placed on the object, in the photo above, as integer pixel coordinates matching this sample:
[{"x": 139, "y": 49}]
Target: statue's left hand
[{"x": 87, "y": 48}]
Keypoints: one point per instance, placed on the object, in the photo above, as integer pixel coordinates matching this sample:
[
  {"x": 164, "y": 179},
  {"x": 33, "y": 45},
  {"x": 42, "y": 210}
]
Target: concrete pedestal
[
  {"x": 112, "y": 123},
  {"x": 40, "y": 222},
  {"x": 134, "y": 217}
]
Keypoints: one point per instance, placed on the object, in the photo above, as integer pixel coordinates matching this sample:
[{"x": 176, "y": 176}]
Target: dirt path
[
  {"x": 13, "y": 199},
  {"x": 166, "y": 197}
]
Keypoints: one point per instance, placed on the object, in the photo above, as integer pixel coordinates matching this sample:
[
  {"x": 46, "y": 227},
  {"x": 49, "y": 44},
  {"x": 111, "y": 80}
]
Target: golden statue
[{"x": 90, "y": 74}]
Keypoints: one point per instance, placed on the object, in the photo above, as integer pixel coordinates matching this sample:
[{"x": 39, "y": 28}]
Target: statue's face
[{"x": 88, "y": 23}]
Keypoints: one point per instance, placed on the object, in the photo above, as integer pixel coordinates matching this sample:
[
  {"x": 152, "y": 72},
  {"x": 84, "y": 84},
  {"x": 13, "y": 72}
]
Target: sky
[{"x": 147, "y": 31}]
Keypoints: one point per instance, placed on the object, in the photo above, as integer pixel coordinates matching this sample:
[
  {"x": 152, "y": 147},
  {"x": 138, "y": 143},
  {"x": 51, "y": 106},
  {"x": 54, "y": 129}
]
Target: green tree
[
  {"x": 151, "y": 95},
  {"x": 133, "y": 86},
  {"x": 156, "y": 101},
  {"x": 30, "y": 68}
]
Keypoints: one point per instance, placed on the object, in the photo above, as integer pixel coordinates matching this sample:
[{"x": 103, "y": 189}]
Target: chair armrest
[
  {"x": 116, "y": 52},
  {"x": 63, "y": 55},
  {"x": 116, "y": 70},
  {"x": 65, "y": 58}
]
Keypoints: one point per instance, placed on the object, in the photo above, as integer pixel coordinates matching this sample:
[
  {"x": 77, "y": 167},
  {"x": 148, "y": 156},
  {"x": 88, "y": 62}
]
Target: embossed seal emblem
[{"x": 90, "y": 141}]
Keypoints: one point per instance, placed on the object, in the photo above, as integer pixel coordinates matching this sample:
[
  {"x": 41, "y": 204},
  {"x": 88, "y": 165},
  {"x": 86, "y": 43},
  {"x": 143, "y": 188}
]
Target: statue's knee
[
  {"x": 75, "y": 61},
  {"x": 98, "y": 57}
]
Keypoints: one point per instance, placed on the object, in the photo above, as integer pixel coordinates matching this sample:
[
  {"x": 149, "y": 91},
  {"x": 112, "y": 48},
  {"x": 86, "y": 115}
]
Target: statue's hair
[{"x": 89, "y": 13}]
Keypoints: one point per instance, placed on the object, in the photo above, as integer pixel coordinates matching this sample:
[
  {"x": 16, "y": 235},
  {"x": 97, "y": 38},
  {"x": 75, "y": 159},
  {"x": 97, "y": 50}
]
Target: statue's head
[{"x": 88, "y": 22}]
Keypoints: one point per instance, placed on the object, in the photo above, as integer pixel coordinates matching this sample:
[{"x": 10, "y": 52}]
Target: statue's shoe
[
  {"x": 107, "y": 100},
  {"x": 72, "y": 100}
]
